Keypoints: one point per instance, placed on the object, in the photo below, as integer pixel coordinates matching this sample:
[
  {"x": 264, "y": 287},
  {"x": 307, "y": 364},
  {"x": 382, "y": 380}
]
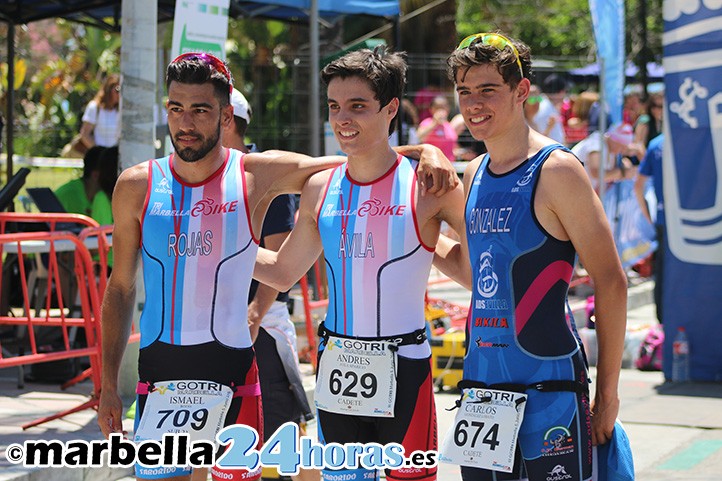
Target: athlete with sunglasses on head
[
  {"x": 195, "y": 218},
  {"x": 530, "y": 210}
]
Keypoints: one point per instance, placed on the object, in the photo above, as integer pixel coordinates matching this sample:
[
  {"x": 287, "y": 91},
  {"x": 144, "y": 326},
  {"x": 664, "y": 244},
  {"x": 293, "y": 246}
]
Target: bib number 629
[{"x": 367, "y": 384}]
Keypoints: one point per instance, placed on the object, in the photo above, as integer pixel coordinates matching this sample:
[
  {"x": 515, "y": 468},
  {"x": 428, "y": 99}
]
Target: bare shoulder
[
  {"x": 315, "y": 186},
  {"x": 135, "y": 174},
  {"x": 563, "y": 170},
  {"x": 132, "y": 185}
]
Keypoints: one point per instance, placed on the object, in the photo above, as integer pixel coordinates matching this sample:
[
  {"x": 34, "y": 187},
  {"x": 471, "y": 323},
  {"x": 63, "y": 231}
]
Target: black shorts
[
  {"x": 279, "y": 405},
  {"x": 413, "y": 425},
  {"x": 209, "y": 361}
]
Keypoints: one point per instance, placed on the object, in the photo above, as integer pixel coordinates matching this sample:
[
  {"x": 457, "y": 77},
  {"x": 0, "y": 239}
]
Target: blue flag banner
[
  {"x": 326, "y": 8},
  {"x": 633, "y": 234},
  {"x": 608, "y": 22},
  {"x": 692, "y": 179}
]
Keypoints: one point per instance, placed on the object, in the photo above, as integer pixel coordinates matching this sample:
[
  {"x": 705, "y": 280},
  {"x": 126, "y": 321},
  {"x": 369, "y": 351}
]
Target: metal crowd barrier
[
  {"x": 53, "y": 312},
  {"x": 37, "y": 268}
]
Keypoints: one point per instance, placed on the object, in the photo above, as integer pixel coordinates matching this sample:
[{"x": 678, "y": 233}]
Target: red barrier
[
  {"x": 309, "y": 305},
  {"x": 36, "y": 251}
]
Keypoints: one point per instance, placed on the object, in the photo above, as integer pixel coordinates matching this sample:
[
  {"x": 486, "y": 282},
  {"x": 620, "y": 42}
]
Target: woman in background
[{"x": 101, "y": 120}]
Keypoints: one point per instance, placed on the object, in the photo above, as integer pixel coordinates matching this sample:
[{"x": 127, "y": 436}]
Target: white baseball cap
[
  {"x": 240, "y": 106},
  {"x": 621, "y": 133}
]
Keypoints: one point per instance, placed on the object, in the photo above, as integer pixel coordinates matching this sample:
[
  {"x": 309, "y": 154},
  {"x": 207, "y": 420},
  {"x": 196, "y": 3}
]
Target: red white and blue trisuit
[
  {"x": 377, "y": 268},
  {"x": 198, "y": 252}
]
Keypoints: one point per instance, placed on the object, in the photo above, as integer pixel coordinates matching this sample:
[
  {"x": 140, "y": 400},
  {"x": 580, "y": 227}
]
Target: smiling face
[
  {"x": 489, "y": 106},
  {"x": 357, "y": 119},
  {"x": 194, "y": 119}
]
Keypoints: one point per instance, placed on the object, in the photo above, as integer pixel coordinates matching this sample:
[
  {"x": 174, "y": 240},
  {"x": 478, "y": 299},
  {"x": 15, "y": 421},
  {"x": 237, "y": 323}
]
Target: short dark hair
[
  {"x": 553, "y": 84},
  {"x": 503, "y": 59},
  {"x": 241, "y": 125},
  {"x": 383, "y": 70},
  {"x": 108, "y": 168},
  {"x": 196, "y": 70},
  {"x": 91, "y": 160}
]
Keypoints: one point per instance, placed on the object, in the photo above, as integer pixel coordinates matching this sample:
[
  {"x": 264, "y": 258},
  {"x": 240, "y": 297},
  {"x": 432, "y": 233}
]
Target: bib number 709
[
  {"x": 367, "y": 382},
  {"x": 181, "y": 417}
]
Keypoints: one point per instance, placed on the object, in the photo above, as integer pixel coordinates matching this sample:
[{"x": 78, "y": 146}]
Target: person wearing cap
[
  {"x": 620, "y": 147},
  {"x": 273, "y": 332},
  {"x": 530, "y": 210},
  {"x": 195, "y": 218}
]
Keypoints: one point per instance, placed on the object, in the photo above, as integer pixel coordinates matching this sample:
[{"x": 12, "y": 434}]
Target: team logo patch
[
  {"x": 557, "y": 440},
  {"x": 488, "y": 281}
]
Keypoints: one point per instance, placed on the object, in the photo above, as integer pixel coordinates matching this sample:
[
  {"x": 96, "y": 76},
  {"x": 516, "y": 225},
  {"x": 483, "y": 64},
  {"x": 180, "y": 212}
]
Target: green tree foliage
[
  {"x": 557, "y": 28},
  {"x": 66, "y": 65},
  {"x": 258, "y": 53}
]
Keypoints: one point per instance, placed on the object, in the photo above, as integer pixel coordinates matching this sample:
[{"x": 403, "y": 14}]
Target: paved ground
[{"x": 675, "y": 430}]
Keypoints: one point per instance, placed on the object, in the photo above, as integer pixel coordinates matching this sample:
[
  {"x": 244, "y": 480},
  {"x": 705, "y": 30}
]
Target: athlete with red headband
[{"x": 195, "y": 217}]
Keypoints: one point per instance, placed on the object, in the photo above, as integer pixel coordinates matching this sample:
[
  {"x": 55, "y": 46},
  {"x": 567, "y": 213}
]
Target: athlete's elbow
[{"x": 282, "y": 281}]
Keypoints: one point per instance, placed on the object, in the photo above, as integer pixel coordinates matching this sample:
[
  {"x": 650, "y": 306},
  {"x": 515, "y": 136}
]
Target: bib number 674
[{"x": 466, "y": 431}]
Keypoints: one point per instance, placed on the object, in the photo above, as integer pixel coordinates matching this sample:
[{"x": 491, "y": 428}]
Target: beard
[{"x": 190, "y": 154}]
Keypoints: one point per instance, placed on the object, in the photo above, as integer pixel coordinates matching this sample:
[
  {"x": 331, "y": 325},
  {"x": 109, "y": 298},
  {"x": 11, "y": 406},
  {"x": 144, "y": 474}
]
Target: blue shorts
[{"x": 555, "y": 440}]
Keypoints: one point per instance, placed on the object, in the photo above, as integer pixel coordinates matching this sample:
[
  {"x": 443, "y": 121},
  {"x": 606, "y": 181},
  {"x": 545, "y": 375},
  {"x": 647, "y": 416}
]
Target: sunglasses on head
[
  {"x": 495, "y": 40},
  {"x": 217, "y": 64}
]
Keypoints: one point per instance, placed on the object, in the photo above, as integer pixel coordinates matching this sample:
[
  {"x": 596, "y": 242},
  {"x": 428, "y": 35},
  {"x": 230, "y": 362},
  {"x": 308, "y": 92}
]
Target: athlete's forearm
[
  {"x": 449, "y": 259},
  {"x": 610, "y": 314},
  {"x": 268, "y": 271},
  {"x": 291, "y": 170},
  {"x": 116, "y": 315},
  {"x": 259, "y": 306}
]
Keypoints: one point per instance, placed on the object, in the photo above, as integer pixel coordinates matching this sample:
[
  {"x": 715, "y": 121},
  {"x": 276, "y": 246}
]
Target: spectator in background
[
  {"x": 101, "y": 121},
  {"x": 649, "y": 124},
  {"x": 578, "y": 124},
  {"x": 619, "y": 140},
  {"x": 532, "y": 106},
  {"x": 554, "y": 91},
  {"x": 77, "y": 195},
  {"x": 437, "y": 130},
  {"x": 423, "y": 100},
  {"x": 633, "y": 105},
  {"x": 409, "y": 125},
  {"x": 651, "y": 167},
  {"x": 101, "y": 209},
  {"x": 594, "y": 115}
]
